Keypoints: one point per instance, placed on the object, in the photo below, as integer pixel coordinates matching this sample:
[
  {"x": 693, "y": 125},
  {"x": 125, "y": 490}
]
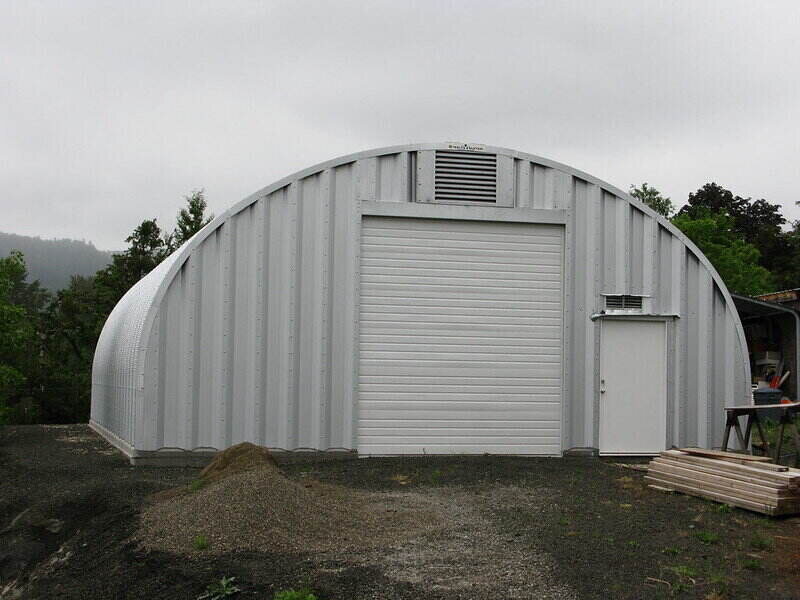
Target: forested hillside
[{"x": 53, "y": 262}]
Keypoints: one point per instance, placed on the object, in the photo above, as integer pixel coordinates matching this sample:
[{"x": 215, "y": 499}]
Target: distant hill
[{"x": 53, "y": 262}]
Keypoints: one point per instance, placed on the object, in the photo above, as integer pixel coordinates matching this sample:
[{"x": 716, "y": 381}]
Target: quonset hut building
[{"x": 430, "y": 298}]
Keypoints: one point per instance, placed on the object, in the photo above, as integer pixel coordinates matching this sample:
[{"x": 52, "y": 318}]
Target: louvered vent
[
  {"x": 624, "y": 302},
  {"x": 465, "y": 177}
]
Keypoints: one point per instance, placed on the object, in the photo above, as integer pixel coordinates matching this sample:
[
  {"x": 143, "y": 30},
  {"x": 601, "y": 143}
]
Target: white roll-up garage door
[{"x": 460, "y": 337}]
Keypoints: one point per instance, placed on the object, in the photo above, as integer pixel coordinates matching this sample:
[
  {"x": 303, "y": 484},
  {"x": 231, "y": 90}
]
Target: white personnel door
[
  {"x": 460, "y": 337},
  {"x": 633, "y": 387}
]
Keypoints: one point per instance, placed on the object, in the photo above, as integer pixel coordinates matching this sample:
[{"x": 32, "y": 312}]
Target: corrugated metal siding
[
  {"x": 116, "y": 378},
  {"x": 460, "y": 343},
  {"x": 249, "y": 330},
  {"x": 275, "y": 350}
]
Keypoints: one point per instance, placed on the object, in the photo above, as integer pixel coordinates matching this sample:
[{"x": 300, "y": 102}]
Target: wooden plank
[
  {"x": 717, "y": 489},
  {"x": 724, "y": 455},
  {"x": 761, "y": 406},
  {"x": 724, "y": 465},
  {"x": 723, "y": 484},
  {"x": 732, "y": 475},
  {"x": 693, "y": 491}
]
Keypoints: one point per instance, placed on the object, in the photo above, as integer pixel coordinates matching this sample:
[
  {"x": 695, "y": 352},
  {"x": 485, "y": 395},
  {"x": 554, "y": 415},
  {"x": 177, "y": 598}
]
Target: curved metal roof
[{"x": 124, "y": 336}]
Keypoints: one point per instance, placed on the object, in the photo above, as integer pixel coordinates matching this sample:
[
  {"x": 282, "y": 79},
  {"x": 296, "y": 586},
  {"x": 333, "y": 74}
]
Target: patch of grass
[
  {"x": 752, "y": 564},
  {"x": 671, "y": 550},
  {"x": 761, "y": 542},
  {"x": 707, "y": 537},
  {"x": 435, "y": 476},
  {"x": 303, "y": 594},
  {"x": 200, "y": 542},
  {"x": 684, "y": 571},
  {"x": 724, "y": 508},
  {"x": 633, "y": 544},
  {"x": 196, "y": 484},
  {"x": 717, "y": 579},
  {"x": 224, "y": 588}
]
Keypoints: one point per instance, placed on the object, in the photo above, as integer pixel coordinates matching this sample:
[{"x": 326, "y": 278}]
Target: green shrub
[
  {"x": 200, "y": 543},
  {"x": 761, "y": 542},
  {"x": 221, "y": 589},
  {"x": 753, "y": 564},
  {"x": 196, "y": 484},
  {"x": 706, "y": 537},
  {"x": 303, "y": 594}
]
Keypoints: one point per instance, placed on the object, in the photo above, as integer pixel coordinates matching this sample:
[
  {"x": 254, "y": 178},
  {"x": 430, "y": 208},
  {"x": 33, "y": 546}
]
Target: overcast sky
[{"x": 111, "y": 112}]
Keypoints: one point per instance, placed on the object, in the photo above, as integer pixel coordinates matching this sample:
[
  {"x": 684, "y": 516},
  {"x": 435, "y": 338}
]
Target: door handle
[{"x": 602, "y": 386}]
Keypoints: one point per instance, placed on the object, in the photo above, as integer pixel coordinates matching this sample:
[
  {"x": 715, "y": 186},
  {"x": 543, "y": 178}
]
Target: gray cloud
[{"x": 110, "y": 112}]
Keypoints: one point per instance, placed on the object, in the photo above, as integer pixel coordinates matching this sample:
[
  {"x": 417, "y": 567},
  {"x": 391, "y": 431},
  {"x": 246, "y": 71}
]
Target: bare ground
[{"x": 427, "y": 527}]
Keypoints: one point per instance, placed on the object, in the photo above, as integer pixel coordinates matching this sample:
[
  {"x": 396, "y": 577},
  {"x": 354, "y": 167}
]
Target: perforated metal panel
[{"x": 460, "y": 337}]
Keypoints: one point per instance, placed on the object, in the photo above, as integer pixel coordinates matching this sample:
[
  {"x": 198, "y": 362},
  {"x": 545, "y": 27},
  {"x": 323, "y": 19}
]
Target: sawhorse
[{"x": 751, "y": 412}]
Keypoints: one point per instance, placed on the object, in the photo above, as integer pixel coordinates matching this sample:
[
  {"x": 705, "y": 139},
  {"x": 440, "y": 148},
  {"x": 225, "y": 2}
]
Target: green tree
[
  {"x": 734, "y": 259},
  {"x": 16, "y": 335},
  {"x": 47, "y": 344},
  {"x": 653, "y": 198},
  {"x": 147, "y": 248},
  {"x": 190, "y": 219},
  {"x": 758, "y": 222}
]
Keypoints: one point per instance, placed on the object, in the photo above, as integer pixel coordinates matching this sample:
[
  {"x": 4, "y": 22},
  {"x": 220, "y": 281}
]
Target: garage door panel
[
  {"x": 383, "y": 235},
  {"x": 375, "y": 301},
  {"x": 547, "y": 371},
  {"x": 400, "y": 266},
  {"x": 532, "y": 281},
  {"x": 460, "y": 424},
  {"x": 508, "y": 257},
  {"x": 460, "y": 337},
  {"x": 475, "y": 411},
  {"x": 447, "y": 329},
  {"x": 509, "y": 449},
  {"x": 466, "y": 341},
  {"x": 450, "y": 349}
]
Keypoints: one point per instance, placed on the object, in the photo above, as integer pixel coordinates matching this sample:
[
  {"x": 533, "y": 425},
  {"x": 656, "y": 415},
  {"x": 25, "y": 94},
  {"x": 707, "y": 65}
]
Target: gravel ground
[
  {"x": 477, "y": 528},
  {"x": 469, "y": 558},
  {"x": 261, "y": 510}
]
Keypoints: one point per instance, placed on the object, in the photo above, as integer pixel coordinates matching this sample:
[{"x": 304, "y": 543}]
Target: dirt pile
[{"x": 243, "y": 501}]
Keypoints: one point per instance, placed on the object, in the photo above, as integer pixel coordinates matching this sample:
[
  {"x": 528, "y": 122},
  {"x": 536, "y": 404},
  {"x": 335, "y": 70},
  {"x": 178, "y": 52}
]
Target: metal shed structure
[{"x": 430, "y": 298}]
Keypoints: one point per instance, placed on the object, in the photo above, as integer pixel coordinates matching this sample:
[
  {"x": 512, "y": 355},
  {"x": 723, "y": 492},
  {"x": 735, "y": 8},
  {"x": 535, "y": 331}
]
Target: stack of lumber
[{"x": 737, "y": 479}]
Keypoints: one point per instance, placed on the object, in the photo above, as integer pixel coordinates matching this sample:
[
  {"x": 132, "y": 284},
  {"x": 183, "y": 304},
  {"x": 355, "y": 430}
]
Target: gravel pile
[{"x": 246, "y": 503}]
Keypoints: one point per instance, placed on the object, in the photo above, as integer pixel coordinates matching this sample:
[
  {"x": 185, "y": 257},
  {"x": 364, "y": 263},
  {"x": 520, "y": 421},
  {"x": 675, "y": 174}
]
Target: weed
[
  {"x": 679, "y": 587},
  {"x": 752, "y": 564},
  {"x": 200, "y": 542},
  {"x": 724, "y": 508},
  {"x": 633, "y": 544},
  {"x": 761, "y": 542},
  {"x": 717, "y": 579},
  {"x": 196, "y": 484},
  {"x": 302, "y": 594},
  {"x": 563, "y": 521},
  {"x": 706, "y": 537},
  {"x": 684, "y": 571},
  {"x": 671, "y": 550},
  {"x": 220, "y": 589}
]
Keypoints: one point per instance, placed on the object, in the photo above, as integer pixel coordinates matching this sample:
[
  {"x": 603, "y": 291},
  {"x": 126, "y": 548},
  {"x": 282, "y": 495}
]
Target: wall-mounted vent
[
  {"x": 465, "y": 177},
  {"x": 624, "y": 302}
]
